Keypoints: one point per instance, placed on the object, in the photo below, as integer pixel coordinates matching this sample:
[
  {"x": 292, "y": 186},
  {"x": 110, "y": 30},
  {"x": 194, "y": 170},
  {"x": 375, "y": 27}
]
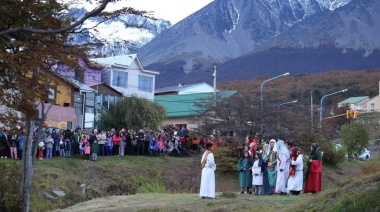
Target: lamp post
[
  {"x": 261, "y": 96},
  {"x": 321, "y": 108},
  {"x": 278, "y": 108}
]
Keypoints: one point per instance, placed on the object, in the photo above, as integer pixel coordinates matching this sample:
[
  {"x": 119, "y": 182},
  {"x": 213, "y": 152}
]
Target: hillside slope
[{"x": 337, "y": 182}]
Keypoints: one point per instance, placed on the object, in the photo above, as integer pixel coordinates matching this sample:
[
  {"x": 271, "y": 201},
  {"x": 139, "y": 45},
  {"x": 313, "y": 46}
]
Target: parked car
[{"x": 364, "y": 154}]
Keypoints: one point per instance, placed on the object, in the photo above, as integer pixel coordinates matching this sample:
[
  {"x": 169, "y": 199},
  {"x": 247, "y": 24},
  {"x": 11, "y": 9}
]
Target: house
[
  {"x": 126, "y": 74},
  {"x": 182, "y": 109},
  {"x": 355, "y": 103},
  {"x": 373, "y": 104},
  {"x": 105, "y": 96},
  {"x": 84, "y": 103},
  {"x": 91, "y": 74},
  {"x": 185, "y": 89},
  {"x": 73, "y": 104},
  {"x": 61, "y": 112},
  {"x": 59, "y": 106}
]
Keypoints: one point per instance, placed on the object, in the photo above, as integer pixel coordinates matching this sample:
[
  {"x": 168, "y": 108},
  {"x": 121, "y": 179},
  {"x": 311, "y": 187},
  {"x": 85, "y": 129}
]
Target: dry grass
[{"x": 167, "y": 184}]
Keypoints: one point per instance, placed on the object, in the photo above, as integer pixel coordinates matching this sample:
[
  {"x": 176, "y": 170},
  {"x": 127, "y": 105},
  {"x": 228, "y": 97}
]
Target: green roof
[
  {"x": 184, "y": 105},
  {"x": 353, "y": 100}
]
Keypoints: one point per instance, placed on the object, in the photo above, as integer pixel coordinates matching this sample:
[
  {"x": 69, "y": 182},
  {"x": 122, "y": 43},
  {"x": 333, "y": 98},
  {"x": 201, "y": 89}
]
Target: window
[
  {"x": 145, "y": 83},
  {"x": 69, "y": 125},
  {"x": 120, "y": 79},
  {"x": 98, "y": 98},
  {"x": 105, "y": 100},
  {"x": 52, "y": 94},
  {"x": 111, "y": 99}
]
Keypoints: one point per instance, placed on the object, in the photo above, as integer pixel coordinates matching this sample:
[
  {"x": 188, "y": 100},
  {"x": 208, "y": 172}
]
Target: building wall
[
  {"x": 360, "y": 104},
  {"x": 58, "y": 116},
  {"x": 132, "y": 84},
  {"x": 92, "y": 76},
  {"x": 64, "y": 94},
  {"x": 372, "y": 104},
  {"x": 181, "y": 121}
]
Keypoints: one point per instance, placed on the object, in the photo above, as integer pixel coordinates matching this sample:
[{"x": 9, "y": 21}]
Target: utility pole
[
  {"x": 214, "y": 81},
  {"x": 311, "y": 111}
]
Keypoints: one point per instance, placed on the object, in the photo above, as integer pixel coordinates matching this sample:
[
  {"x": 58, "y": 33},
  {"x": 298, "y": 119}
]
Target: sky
[{"x": 171, "y": 10}]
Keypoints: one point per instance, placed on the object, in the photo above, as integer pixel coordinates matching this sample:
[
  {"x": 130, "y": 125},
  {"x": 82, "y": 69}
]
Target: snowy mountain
[
  {"x": 115, "y": 35},
  {"x": 226, "y": 29},
  {"x": 253, "y": 38}
]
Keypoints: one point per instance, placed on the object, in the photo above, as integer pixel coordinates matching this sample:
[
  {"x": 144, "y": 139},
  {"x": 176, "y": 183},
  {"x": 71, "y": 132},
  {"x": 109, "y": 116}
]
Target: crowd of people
[
  {"x": 277, "y": 168},
  {"x": 65, "y": 143}
]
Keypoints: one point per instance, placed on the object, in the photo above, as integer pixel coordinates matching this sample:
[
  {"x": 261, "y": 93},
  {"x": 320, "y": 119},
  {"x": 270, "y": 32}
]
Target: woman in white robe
[
  {"x": 295, "y": 181},
  {"x": 283, "y": 158},
  {"x": 207, "y": 190},
  {"x": 257, "y": 174}
]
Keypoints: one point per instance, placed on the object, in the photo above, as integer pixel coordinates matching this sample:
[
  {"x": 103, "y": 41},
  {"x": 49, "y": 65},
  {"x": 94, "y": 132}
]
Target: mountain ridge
[{"x": 315, "y": 32}]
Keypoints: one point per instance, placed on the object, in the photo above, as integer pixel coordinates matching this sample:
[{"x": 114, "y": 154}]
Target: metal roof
[
  {"x": 353, "y": 100},
  {"x": 178, "y": 88},
  {"x": 184, "y": 105}
]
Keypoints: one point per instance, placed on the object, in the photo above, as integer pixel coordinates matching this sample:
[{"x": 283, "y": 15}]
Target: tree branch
[{"x": 92, "y": 13}]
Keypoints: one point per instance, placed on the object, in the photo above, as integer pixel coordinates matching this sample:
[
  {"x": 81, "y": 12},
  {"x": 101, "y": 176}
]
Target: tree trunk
[
  {"x": 28, "y": 157},
  {"x": 25, "y": 185}
]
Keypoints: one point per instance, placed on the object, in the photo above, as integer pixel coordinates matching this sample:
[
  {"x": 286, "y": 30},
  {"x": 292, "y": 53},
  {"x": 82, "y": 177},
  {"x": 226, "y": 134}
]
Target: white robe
[
  {"x": 295, "y": 182},
  {"x": 258, "y": 179},
  {"x": 208, "y": 177},
  {"x": 282, "y": 177}
]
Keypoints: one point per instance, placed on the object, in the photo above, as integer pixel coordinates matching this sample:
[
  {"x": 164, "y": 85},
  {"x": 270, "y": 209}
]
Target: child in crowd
[
  {"x": 170, "y": 147},
  {"x": 87, "y": 149},
  {"x": 13, "y": 146},
  {"x": 62, "y": 148},
  {"x": 49, "y": 146},
  {"x": 257, "y": 174},
  {"x": 109, "y": 144},
  {"x": 245, "y": 175},
  {"x": 161, "y": 145},
  {"x": 95, "y": 149},
  {"x": 176, "y": 143},
  {"x": 41, "y": 147},
  {"x": 82, "y": 144},
  {"x": 153, "y": 146}
]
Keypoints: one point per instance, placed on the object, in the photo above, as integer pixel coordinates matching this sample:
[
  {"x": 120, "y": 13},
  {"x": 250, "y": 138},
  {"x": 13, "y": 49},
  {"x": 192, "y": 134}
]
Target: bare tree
[{"x": 34, "y": 38}]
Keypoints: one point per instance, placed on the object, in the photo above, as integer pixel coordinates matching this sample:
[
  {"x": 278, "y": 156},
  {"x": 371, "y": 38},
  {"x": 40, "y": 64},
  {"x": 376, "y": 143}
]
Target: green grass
[{"x": 133, "y": 183}]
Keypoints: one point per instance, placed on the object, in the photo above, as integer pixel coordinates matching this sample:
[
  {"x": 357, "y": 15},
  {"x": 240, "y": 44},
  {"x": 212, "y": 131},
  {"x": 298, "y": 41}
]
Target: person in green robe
[
  {"x": 244, "y": 167},
  {"x": 271, "y": 159}
]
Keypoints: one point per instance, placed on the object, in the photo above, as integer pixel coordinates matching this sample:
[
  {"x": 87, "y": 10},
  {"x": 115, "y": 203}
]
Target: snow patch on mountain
[{"x": 117, "y": 36}]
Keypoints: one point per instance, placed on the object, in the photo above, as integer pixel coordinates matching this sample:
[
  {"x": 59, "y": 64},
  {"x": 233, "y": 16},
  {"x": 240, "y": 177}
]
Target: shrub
[
  {"x": 355, "y": 137},
  {"x": 152, "y": 187},
  {"x": 226, "y": 160},
  {"x": 10, "y": 177},
  {"x": 334, "y": 156}
]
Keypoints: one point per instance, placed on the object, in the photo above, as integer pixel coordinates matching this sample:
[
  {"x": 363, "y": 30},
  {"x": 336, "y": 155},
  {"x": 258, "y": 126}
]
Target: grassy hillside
[
  {"x": 358, "y": 83},
  {"x": 133, "y": 183}
]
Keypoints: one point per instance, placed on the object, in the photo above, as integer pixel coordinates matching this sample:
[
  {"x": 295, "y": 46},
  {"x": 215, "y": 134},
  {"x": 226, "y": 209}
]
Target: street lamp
[
  {"x": 261, "y": 97},
  {"x": 278, "y": 108},
  {"x": 321, "y": 108}
]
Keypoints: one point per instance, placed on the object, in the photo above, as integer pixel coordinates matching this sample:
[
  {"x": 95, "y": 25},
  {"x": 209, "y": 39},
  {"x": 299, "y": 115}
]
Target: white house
[
  {"x": 186, "y": 89},
  {"x": 125, "y": 74},
  {"x": 355, "y": 103},
  {"x": 373, "y": 105}
]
